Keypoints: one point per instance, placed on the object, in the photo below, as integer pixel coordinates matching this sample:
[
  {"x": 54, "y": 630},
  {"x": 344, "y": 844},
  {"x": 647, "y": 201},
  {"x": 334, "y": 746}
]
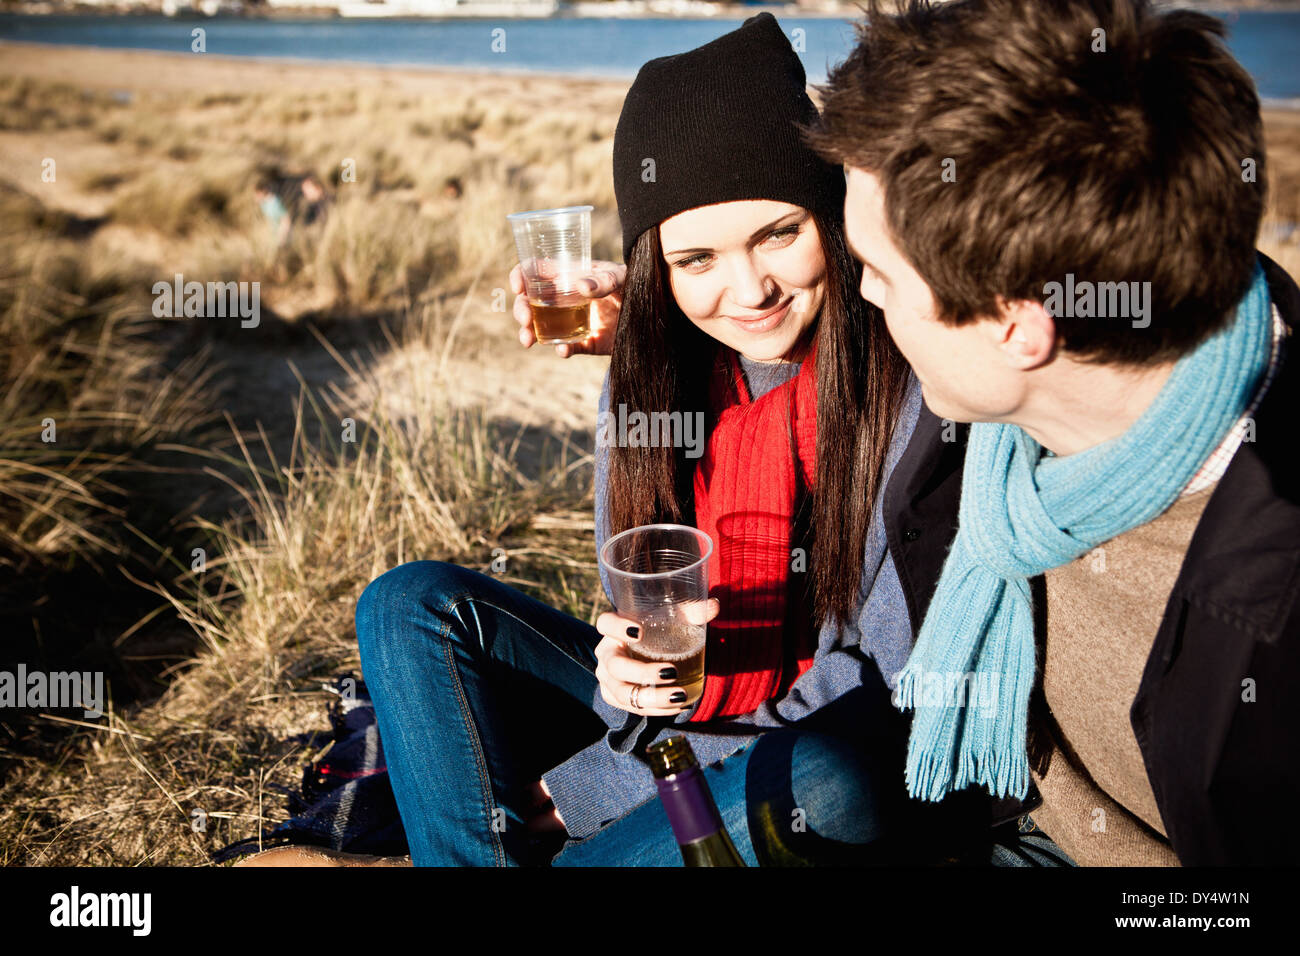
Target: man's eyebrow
[{"x": 757, "y": 232}]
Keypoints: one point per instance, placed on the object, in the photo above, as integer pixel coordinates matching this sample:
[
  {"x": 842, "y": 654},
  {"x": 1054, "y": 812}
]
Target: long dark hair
[{"x": 662, "y": 362}]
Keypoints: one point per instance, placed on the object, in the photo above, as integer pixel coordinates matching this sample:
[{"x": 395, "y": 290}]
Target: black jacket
[{"x": 1223, "y": 769}]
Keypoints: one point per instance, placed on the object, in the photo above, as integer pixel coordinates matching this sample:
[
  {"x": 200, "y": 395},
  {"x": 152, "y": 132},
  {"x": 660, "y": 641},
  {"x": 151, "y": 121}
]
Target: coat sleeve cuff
[{"x": 597, "y": 785}]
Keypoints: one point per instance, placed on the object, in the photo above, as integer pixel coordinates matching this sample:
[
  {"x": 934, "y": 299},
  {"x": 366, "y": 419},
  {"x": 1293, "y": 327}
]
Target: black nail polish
[
  {"x": 633, "y": 631},
  {"x": 678, "y": 696},
  {"x": 667, "y": 673}
]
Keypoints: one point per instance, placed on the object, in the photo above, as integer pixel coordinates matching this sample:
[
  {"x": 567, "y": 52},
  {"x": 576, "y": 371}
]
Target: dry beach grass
[
  {"x": 181, "y": 433},
  {"x": 193, "y": 433}
]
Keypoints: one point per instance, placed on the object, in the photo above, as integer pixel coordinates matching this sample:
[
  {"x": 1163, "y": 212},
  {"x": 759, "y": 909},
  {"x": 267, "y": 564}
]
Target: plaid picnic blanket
[{"x": 345, "y": 801}]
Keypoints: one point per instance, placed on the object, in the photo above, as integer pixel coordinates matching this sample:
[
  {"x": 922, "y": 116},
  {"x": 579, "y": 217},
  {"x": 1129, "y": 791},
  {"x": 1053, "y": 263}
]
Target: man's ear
[{"x": 1024, "y": 332}]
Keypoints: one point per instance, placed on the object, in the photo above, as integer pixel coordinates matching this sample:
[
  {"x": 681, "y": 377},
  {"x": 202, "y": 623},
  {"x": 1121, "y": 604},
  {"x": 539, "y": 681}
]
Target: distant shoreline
[
  {"x": 119, "y": 67},
  {"x": 315, "y": 63},
  {"x": 115, "y": 68},
  {"x": 726, "y": 11}
]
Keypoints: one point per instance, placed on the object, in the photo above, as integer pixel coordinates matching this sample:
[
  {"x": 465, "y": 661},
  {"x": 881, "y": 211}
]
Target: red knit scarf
[{"x": 745, "y": 500}]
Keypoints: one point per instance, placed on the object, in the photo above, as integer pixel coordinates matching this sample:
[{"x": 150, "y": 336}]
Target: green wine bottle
[{"x": 686, "y": 799}]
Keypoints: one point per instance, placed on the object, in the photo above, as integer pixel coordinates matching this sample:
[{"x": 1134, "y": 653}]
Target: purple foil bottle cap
[{"x": 691, "y": 811}]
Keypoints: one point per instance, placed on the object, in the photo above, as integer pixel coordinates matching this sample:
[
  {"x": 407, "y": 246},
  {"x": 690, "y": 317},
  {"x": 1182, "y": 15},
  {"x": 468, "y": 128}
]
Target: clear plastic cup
[
  {"x": 554, "y": 248},
  {"x": 658, "y": 576}
]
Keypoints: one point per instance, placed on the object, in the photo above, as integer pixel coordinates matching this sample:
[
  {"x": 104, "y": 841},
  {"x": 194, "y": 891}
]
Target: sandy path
[{"x": 103, "y": 69}]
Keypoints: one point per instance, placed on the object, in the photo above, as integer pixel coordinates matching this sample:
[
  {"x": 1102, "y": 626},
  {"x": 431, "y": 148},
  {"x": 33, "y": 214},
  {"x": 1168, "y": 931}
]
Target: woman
[{"x": 509, "y": 726}]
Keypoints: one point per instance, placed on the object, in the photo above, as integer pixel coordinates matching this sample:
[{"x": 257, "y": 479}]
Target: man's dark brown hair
[{"x": 1100, "y": 138}]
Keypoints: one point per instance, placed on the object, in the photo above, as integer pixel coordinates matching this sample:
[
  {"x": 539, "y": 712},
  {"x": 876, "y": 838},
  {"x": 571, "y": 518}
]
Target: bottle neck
[{"x": 690, "y": 808}]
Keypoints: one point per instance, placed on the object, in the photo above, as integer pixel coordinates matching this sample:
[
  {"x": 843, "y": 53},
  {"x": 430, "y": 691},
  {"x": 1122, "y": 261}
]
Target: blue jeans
[
  {"x": 1021, "y": 843},
  {"x": 479, "y": 689}
]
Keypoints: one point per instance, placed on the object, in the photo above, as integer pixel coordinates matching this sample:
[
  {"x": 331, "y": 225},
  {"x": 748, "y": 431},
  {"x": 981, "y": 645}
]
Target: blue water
[{"x": 1266, "y": 43}]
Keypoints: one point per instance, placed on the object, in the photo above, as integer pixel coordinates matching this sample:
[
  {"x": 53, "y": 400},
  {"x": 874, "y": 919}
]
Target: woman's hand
[
  {"x": 605, "y": 285},
  {"x": 620, "y": 673},
  {"x": 544, "y": 817}
]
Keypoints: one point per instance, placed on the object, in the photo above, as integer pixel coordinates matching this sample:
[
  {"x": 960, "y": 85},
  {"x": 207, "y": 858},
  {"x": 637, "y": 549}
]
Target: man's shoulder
[
  {"x": 1244, "y": 557},
  {"x": 1266, "y": 465},
  {"x": 1284, "y": 292}
]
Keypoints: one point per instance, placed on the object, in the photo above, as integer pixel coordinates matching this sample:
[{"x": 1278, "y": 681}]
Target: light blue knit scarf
[{"x": 970, "y": 675}]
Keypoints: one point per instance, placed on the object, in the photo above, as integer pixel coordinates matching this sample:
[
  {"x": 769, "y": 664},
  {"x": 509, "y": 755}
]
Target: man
[{"x": 1056, "y": 204}]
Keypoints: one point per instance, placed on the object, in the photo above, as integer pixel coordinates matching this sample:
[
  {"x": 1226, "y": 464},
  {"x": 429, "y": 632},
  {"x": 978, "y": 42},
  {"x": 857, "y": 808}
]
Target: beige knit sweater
[{"x": 1103, "y": 611}]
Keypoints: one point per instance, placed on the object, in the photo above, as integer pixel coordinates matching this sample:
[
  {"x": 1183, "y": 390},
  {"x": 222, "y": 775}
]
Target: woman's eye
[
  {"x": 787, "y": 232},
  {"x": 782, "y": 236}
]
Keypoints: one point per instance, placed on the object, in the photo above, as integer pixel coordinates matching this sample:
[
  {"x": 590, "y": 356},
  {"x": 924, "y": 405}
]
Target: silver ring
[{"x": 632, "y": 697}]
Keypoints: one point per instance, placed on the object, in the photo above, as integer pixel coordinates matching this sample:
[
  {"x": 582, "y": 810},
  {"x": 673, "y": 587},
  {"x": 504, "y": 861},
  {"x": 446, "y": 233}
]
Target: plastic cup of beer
[
  {"x": 554, "y": 248},
  {"x": 658, "y": 576}
]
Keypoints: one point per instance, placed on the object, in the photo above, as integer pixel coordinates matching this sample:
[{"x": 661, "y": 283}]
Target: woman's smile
[{"x": 765, "y": 322}]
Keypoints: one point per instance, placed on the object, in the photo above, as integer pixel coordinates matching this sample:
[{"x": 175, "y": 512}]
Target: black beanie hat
[{"x": 718, "y": 124}]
